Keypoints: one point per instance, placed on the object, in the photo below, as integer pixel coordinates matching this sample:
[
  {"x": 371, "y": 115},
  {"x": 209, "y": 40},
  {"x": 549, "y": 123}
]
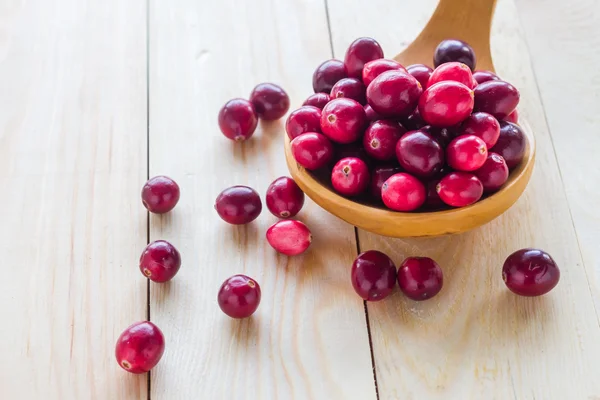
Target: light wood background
[{"x": 94, "y": 96}]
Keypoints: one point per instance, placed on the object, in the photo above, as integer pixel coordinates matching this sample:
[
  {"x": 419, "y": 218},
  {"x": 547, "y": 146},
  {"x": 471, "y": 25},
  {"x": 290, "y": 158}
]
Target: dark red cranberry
[
  {"x": 160, "y": 194},
  {"x": 459, "y": 189},
  {"x": 484, "y": 76},
  {"x": 403, "y": 192},
  {"x": 371, "y": 114},
  {"x": 421, "y": 72},
  {"x": 414, "y": 121},
  {"x": 373, "y": 275},
  {"x": 239, "y": 296},
  {"x": 160, "y": 261},
  {"x": 312, "y": 150},
  {"x": 482, "y": 125},
  {"x": 343, "y": 120},
  {"x": 454, "y": 50},
  {"x": 355, "y": 149},
  {"x": 442, "y": 135},
  {"x": 511, "y": 144},
  {"x": 284, "y": 197},
  {"x": 360, "y": 52},
  {"x": 378, "y": 178},
  {"x": 530, "y": 272},
  {"x": 350, "y": 88},
  {"x": 140, "y": 347},
  {"x": 394, "y": 94},
  {"x": 420, "y": 278},
  {"x": 466, "y": 153},
  {"x": 305, "y": 119},
  {"x": 493, "y": 174},
  {"x": 317, "y": 100},
  {"x": 238, "y": 205},
  {"x": 446, "y": 103},
  {"x": 452, "y": 71},
  {"x": 374, "y": 68},
  {"x": 381, "y": 137},
  {"x": 496, "y": 97},
  {"x": 289, "y": 237},
  {"x": 327, "y": 74},
  {"x": 513, "y": 117},
  {"x": 270, "y": 101},
  {"x": 420, "y": 154},
  {"x": 433, "y": 198},
  {"x": 350, "y": 176},
  {"x": 238, "y": 119}
]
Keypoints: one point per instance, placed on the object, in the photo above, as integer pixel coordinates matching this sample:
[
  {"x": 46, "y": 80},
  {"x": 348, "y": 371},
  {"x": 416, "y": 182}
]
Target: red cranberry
[
  {"x": 433, "y": 199},
  {"x": 360, "y": 52},
  {"x": 459, "y": 189},
  {"x": 350, "y": 88},
  {"x": 289, "y": 237},
  {"x": 394, "y": 94},
  {"x": 420, "y": 154},
  {"x": 484, "y": 126},
  {"x": 160, "y": 261},
  {"x": 317, "y": 100},
  {"x": 343, "y": 120},
  {"x": 378, "y": 178},
  {"x": 530, "y": 272},
  {"x": 466, "y": 153},
  {"x": 373, "y": 275},
  {"x": 270, "y": 101},
  {"x": 496, "y": 97},
  {"x": 160, "y": 194},
  {"x": 327, "y": 74},
  {"x": 305, "y": 119},
  {"x": 493, "y": 174},
  {"x": 239, "y": 296},
  {"x": 312, "y": 150},
  {"x": 381, "y": 137},
  {"x": 140, "y": 347},
  {"x": 238, "y": 119},
  {"x": 452, "y": 71},
  {"x": 238, "y": 205},
  {"x": 513, "y": 117},
  {"x": 511, "y": 144},
  {"x": 484, "y": 76},
  {"x": 420, "y": 278},
  {"x": 374, "y": 68},
  {"x": 454, "y": 50},
  {"x": 403, "y": 192},
  {"x": 284, "y": 197},
  {"x": 350, "y": 176},
  {"x": 371, "y": 114},
  {"x": 414, "y": 121},
  {"x": 420, "y": 72},
  {"x": 446, "y": 103}
]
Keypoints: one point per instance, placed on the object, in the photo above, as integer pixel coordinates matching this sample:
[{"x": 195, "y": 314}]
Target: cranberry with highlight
[
  {"x": 270, "y": 101},
  {"x": 484, "y": 76},
  {"x": 327, "y": 74},
  {"x": 360, "y": 52},
  {"x": 511, "y": 144},
  {"x": 446, "y": 103},
  {"x": 460, "y": 189},
  {"x": 394, "y": 94},
  {"x": 466, "y": 153},
  {"x": 284, "y": 197},
  {"x": 140, "y": 347},
  {"x": 482, "y": 125},
  {"x": 378, "y": 178},
  {"x": 454, "y": 50},
  {"x": 373, "y": 275},
  {"x": 305, "y": 119},
  {"x": 317, "y": 100},
  {"x": 493, "y": 174},
  {"x": 530, "y": 272},
  {"x": 452, "y": 71},
  {"x": 420, "y": 278},
  {"x": 289, "y": 237},
  {"x": 420, "y": 154},
  {"x": 350, "y": 176},
  {"x": 160, "y": 261},
  {"x": 160, "y": 194},
  {"x": 350, "y": 88},
  {"x": 239, "y": 296},
  {"x": 371, "y": 114},
  {"x": 343, "y": 120},
  {"x": 420, "y": 72},
  {"x": 312, "y": 150},
  {"x": 381, "y": 137},
  {"x": 374, "y": 68},
  {"x": 238, "y": 205},
  {"x": 403, "y": 192},
  {"x": 238, "y": 119},
  {"x": 496, "y": 97}
]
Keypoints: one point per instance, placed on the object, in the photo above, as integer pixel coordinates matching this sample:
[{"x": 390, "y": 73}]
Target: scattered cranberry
[
  {"x": 414, "y": 121},
  {"x": 317, "y": 100},
  {"x": 312, "y": 150},
  {"x": 373, "y": 275},
  {"x": 360, "y": 52},
  {"x": 238, "y": 205},
  {"x": 374, "y": 68},
  {"x": 420, "y": 72},
  {"x": 270, "y": 101},
  {"x": 466, "y": 153},
  {"x": 511, "y": 144},
  {"x": 350, "y": 88},
  {"x": 327, "y": 74},
  {"x": 140, "y": 347},
  {"x": 350, "y": 176},
  {"x": 160, "y": 194},
  {"x": 459, "y": 189},
  {"x": 454, "y": 50},
  {"x": 446, "y": 103},
  {"x": 420, "y": 154},
  {"x": 496, "y": 97},
  {"x": 530, "y": 272},
  {"x": 394, "y": 94},
  {"x": 238, "y": 119},
  {"x": 305, "y": 119},
  {"x": 420, "y": 278},
  {"x": 433, "y": 199},
  {"x": 343, "y": 120},
  {"x": 378, "y": 178},
  {"x": 493, "y": 174},
  {"x": 289, "y": 237},
  {"x": 452, "y": 71},
  {"x": 513, "y": 117},
  {"x": 239, "y": 296},
  {"x": 403, "y": 192},
  {"x": 284, "y": 197},
  {"x": 484, "y": 126},
  {"x": 381, "y": 137},
  {"x": 160, "y": 261},
  {"x": 371, "y": 114},
  {"x": 484, "y": 76}
]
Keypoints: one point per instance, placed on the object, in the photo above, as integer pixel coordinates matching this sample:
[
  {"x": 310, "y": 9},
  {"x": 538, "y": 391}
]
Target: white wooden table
[{"x": 96, "y": 95}]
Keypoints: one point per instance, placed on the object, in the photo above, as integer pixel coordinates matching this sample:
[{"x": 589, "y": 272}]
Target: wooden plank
[
  {"x": 308, "y": 338},
  {"x": 72, "y": 162},
  {"x": 476, "y": 340}
]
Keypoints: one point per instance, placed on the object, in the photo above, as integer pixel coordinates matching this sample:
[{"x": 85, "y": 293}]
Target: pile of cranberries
[{"x": 412, "y": 138}]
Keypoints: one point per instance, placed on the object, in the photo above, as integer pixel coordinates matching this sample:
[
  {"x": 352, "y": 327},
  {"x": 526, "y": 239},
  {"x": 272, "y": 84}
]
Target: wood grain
[
  {"x": 308, "y": 339},
  {"x": 72, "y": 162}
]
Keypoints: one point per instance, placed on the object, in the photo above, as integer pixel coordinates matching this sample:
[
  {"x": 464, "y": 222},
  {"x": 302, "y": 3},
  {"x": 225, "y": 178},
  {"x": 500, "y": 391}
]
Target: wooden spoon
[{"x": 468, "y": 20}]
